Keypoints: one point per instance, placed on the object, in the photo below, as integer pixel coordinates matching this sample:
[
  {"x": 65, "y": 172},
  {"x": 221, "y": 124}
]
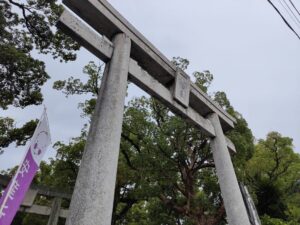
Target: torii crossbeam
[{"x": 129, "y": 55}]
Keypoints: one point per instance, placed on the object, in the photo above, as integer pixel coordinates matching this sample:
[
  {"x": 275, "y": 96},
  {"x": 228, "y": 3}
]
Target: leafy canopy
[{"x": 27, "y": 28}]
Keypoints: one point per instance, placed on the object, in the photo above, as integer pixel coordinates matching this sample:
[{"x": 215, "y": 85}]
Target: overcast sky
[{"x": 254, "y": 57}]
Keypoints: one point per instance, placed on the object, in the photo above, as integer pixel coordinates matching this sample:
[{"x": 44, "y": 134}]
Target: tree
[
  {"x": 154, "y": 139},
  {"x": 9, "y": 133},
  {"x": 166, "y": 173},
  {"x": 27, "y": 27},
  {"x": 174, "y": 164},
  {"x": 273, "y": 173}
]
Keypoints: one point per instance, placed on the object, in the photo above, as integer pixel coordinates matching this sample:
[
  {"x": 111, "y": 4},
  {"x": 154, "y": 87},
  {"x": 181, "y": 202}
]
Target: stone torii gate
[{"x": 129, "y": 55}]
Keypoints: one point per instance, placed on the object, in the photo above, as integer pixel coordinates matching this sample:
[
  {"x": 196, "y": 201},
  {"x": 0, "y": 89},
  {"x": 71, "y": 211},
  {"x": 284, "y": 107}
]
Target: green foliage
[
  {"x": 34, "y": 22},
  {"x": 174, "y": 161},
  {"x": 241, "y": 135},
  {"x": 62, "y": 172},
  {"x": 221, "y": 98},
  {"x": 9, "y": 133},
  {"x": 293, "y": 203},
  {"x": 166, "y": 173},
  {"x": 29, "y": 219},
  {"x": 180, "y": 62},
  {"x": 76, "y": 86},
  {"x": 273, "y": 173},
  {"x": 20, "y": 78},
  {"x": 203, "y": 79},
  {"x": 267, "y": 220},
  {"x": 26, "y": 26}
]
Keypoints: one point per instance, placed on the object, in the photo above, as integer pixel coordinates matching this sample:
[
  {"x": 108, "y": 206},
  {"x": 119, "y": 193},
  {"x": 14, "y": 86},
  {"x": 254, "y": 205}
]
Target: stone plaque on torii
[{"x": 130, "y": 56}]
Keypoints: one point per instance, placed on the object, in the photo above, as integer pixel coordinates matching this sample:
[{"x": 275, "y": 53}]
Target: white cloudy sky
[{"x": 254, "y": 57}]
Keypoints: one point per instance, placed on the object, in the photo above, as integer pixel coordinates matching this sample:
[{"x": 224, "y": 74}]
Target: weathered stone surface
[
  {"x": 233, "y": 200},
  {"x": 106, "y": 20},
  {"x": 146, "y": 81},
  {"x": 92, "y": 200},
  {"x": 182, "y": 88},
  {"x": 98, "y": 45},
  {"x": 252, "y": 212},
  {"x": 55, "y": 212},
  {"x": 93, "y": 197},
  {"x": 29, "y": 197}
]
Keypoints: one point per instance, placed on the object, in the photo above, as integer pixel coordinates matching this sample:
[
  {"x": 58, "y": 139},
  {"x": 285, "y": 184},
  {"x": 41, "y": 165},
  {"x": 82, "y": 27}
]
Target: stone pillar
[
  {"x": 233, "y": 200},
  {"x": 93, "y": 197},
  {"x": 55, "y": 210}
]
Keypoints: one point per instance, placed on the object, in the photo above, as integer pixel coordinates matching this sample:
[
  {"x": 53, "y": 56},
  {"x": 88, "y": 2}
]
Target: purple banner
[
  {"x": 18, "y": 186},
  {"x": 18, "y": 189}
]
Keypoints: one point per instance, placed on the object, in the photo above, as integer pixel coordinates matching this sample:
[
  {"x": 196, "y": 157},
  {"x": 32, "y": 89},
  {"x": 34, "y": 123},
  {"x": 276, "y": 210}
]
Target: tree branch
[
  {"x": 128, "y": 159},
  {"x": 137, "y": 147}
]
